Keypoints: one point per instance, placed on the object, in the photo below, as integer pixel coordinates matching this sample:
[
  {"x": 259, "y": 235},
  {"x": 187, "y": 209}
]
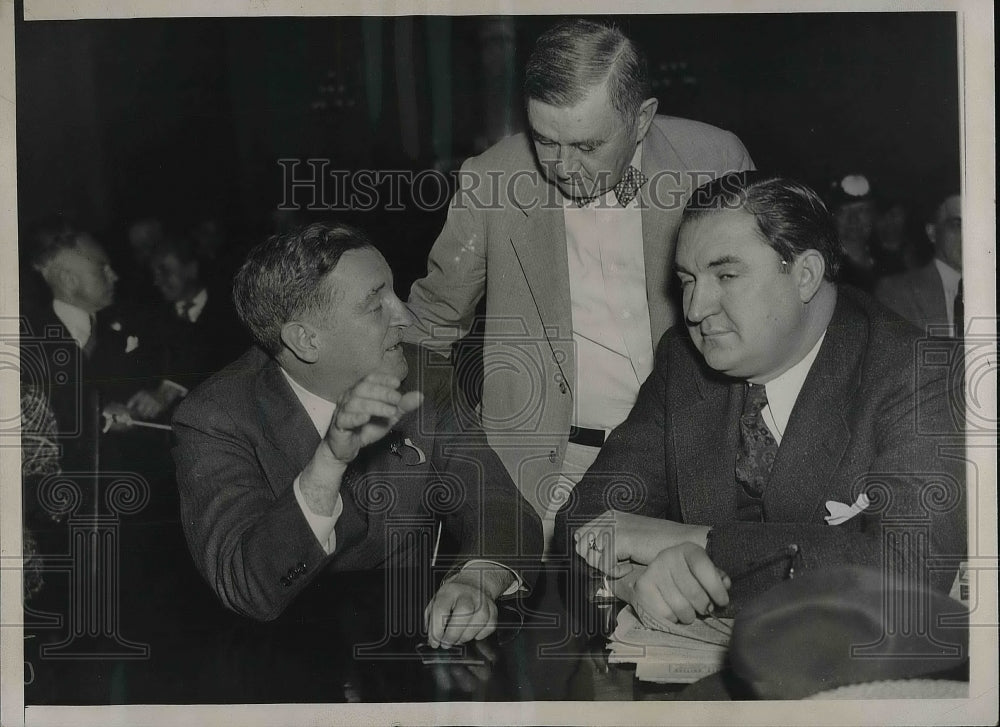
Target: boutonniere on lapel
[
  {"x": 841, "y": 513},
  {"x": 131, "y": 344},
  {"x": 404, "y": 448}
]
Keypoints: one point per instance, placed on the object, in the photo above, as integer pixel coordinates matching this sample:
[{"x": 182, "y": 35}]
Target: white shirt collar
[
  {"x": 76, "y": 320},
  {"x": 949, "y": 276},
  {"x": 608, "y": 199},
  {"x": 784, "y": 390},
  {"x": 197, "y": 304},
  {"x": 320, "y": 410}
]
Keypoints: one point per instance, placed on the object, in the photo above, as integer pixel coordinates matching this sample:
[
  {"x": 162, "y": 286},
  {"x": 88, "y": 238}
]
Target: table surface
[{"x": 335, "y": 644}]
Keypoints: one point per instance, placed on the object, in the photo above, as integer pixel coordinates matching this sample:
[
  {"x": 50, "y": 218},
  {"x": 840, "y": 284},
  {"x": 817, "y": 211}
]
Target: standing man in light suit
[{"x": 569, "y": 233}]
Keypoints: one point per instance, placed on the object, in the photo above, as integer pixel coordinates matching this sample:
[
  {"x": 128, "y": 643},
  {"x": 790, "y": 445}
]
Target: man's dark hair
[
  {"x": 181, "y": 247},
  {"x": 572, "y": 57},
  {"x": 282, "y": 277},
  {"x": 49, "y": 237},
  {"x": 790, "y": 216}
]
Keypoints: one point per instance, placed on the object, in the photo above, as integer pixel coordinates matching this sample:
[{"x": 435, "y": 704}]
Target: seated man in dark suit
[
  {"x": 302, "y": 458},
  {"x": 931, "y": 297},
  {"x": 199, "y": 330},
  {"x": 791, "y": 425},
  {"x": 94, "y": 357}
]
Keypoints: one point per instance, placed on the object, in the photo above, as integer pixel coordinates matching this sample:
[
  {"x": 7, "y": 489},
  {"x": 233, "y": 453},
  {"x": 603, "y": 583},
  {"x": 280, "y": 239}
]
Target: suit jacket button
[
  {"x": 552, "y": 456},
  {"x": 291, "y": 571},
  {"x": 562, "y": 387},
  {"x": 285, "y": 582}
]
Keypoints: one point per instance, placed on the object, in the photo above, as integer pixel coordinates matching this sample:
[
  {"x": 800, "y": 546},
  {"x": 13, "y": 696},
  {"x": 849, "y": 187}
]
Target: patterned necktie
[
  {"x": 625, "y": 191},
  {"x": 958, "y": 313},
  {"x": 758, "y": 448}
]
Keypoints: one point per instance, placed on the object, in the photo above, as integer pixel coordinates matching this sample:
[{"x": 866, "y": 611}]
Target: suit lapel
[
  {"x": 933, "y": 307},
  {"x": 817, "y": 433},
  {"x": 540, "y": 245},
  {"x": 283, "y": 419},
  {"x": 662, "y": 201},
  {"x": 705, "y": 452}
]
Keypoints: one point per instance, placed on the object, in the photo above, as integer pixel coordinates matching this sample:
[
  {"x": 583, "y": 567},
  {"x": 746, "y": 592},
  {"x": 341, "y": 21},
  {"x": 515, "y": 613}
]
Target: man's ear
[
  {"x": 809, "y": 269},
  {"x": 931, "y": 230},
  {"x": 300, "y": 339},
  {"x": 645, "y": 118}
]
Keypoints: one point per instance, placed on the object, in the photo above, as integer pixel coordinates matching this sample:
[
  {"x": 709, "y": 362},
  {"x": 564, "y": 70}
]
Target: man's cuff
[
  {"x": 321, "y": 525},
  {"x": 515, "y": 587},
  {"x": 174, "y": 387}
]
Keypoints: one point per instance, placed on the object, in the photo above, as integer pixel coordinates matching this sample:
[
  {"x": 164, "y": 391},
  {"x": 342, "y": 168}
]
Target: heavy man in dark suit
[
  {"x": 328, "y": 445},
  {"x": 790, "y": 423}
]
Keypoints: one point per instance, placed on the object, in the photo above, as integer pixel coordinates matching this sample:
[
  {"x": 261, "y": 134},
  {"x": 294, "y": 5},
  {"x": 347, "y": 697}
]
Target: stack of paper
[{"x": 684, "y": 653}]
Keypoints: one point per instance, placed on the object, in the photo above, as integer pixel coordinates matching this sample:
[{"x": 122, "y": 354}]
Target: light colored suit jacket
[
  {"x": 876, "y": 414},
  {"x": 505, "y": 237},
  {"x": 918, "y": 296}
]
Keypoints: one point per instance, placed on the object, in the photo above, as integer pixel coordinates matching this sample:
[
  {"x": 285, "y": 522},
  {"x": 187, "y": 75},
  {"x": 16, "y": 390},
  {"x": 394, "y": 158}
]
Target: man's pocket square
[{"x": 841, "y": 513}]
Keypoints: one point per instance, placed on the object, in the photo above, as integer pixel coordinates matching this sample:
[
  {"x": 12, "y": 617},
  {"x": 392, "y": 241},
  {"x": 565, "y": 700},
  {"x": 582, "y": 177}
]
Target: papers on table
[{"x": 684, "y": 653}]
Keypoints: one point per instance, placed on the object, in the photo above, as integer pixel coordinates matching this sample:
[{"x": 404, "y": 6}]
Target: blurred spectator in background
[
  {"x": 851, "y": 201},
  {"x": 141, "y": 237},
  {"x": 932, "y": 296},
  {"x": 85, "y": 357},
  {"x": 199, "y": 330},
  {"x": 895, "y": 248}
]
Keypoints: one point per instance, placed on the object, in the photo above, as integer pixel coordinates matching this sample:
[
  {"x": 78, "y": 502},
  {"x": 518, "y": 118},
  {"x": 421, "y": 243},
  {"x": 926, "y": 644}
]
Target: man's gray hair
[{"x": 574, "y": 56}]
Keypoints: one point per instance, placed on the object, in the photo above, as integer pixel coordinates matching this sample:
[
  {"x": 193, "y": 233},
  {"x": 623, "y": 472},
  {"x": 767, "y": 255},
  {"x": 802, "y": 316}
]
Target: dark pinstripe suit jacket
[{"x": 874, "y": 414}]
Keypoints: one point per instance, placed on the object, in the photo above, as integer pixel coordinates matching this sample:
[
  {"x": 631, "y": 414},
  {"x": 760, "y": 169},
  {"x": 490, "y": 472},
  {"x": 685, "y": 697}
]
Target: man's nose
[
  {"x": 699, "y": 303},
  {"x": 401, "y": 315},
  {"x": 567, "y": 161}
]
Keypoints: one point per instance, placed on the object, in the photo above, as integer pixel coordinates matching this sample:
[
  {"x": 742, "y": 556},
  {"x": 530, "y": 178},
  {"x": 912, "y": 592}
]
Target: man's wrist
[
  {"x": 320, "y": 481},
  {"x": 492, "y": 581}
]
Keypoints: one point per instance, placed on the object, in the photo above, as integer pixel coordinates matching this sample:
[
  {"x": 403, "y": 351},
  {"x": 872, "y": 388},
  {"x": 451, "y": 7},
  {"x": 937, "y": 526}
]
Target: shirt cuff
[
  {"x": 168, "y": 384},
  {"x": 515, "y": 587},
  {"x": 321, "y": 525}
]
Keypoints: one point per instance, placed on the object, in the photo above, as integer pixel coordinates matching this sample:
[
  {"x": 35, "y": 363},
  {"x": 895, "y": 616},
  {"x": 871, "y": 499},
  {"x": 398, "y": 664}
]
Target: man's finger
[
  {"x": 671, "y": 593},
  {"x": 702, "y": 568},
  {"x": 410, "y": 401}
]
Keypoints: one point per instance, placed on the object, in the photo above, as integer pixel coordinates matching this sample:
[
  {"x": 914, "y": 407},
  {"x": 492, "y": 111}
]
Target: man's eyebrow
[{"x": 725, "y": 260}]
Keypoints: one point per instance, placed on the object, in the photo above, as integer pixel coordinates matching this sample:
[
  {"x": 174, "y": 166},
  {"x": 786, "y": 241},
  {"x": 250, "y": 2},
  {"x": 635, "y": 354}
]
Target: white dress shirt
[
  {"x": 611, "y": 329},
  {"x": 320, "y": 412},
  {"x": 76, "y": 320},
  {"x": 784, "y": 390},
  {"x": 194, "y": 307},
  {"x": 950, "y": 279}
]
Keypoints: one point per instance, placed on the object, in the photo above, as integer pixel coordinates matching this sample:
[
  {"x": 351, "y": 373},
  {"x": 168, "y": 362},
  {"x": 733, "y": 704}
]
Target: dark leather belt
[{"x": 586, "y": 437}]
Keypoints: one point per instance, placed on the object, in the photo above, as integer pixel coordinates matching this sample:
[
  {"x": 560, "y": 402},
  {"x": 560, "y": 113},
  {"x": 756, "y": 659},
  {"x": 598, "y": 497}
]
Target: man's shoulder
[
  {"x": 694, "y": 142},
  {"x": 884, "y": 334},
  {"x": 233, "y": 387},
  {"x": 906, "y": 281},
  {"x": 511, "y": 154}
]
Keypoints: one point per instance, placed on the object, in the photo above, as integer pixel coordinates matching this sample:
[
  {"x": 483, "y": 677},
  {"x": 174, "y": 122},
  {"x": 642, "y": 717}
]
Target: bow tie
[{"x": 625, "y": 191}]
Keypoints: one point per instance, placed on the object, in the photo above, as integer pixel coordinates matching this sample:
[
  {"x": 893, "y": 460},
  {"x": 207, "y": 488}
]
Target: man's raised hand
[{"x": 366, "y": 412}]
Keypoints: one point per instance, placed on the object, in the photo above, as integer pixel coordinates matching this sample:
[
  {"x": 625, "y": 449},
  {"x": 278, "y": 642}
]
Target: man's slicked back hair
[
  {"x": 790, "y": 216},
  {"x": 574, "y": 56},
  {"x": 282, "y": 277}
]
